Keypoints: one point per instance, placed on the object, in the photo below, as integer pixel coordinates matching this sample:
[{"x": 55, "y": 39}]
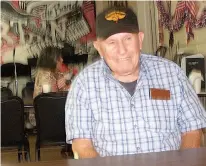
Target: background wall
[
  {"x": 198, "y": 45},
  {"x": 146, "y": 12},
  {"x": 148, "y": 22},
  {"x": 29, "y": 26}
]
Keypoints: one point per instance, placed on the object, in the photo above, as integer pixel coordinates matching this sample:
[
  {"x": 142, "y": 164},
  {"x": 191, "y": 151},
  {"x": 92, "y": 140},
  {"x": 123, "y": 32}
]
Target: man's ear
[
  {"x": 96, "y": 45},
  {"x": 141, "y": 38}
]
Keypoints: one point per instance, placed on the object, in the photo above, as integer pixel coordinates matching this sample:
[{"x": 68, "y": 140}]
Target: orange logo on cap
[{"x": 115, "y": 16}]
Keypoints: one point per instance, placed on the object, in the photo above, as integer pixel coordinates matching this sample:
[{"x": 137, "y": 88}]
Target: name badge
[{"x": 159, "y": 94}]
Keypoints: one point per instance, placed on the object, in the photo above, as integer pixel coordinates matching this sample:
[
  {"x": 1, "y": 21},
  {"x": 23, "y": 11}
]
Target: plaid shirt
[{"x": 99, "y": 108}]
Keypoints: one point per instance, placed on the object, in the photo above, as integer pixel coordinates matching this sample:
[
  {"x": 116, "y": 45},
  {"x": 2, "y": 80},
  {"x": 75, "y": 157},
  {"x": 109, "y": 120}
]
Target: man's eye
[
  {"x": 111, "y": 43},
  {"x": 128, "y": 38}
]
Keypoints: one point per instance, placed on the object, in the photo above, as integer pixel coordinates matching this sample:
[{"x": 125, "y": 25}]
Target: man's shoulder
[
  {"x": 91, "y": 70},
  {"x": 152, "y": 60},
  {"x": 94, "y": 67}
]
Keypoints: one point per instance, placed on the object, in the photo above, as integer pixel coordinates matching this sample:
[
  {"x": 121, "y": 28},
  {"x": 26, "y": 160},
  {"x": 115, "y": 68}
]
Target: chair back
[
  {"x": 5, "y": 93},
  {"x": 12, "y": 121},
  {"x": 50, "y": 117}
]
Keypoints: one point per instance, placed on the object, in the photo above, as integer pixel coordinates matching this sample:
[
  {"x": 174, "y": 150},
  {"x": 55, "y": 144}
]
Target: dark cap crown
[{"x": 116, "y": 20}]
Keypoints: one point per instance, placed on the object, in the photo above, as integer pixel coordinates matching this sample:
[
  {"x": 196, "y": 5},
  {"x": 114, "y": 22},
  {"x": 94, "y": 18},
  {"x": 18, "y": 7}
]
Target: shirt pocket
[{"x": 160, "y": 116}]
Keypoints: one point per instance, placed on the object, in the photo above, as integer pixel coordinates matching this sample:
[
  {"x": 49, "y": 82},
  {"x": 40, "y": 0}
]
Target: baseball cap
[{"x": 116, "y": 20}]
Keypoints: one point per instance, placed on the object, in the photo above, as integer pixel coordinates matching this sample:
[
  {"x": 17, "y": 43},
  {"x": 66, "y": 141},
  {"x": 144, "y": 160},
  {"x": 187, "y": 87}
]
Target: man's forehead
[{"x": 121, "y": 35}]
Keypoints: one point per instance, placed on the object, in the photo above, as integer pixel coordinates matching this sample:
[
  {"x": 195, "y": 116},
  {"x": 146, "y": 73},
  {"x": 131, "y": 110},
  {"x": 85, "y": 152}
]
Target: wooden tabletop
[{"x": 190, "y": 157}]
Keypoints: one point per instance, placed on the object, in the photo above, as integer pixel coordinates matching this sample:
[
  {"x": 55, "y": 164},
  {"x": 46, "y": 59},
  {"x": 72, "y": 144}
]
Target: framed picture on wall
[
  {"x": 197, "y": 64},
  {"x": 197, "y": 61}
]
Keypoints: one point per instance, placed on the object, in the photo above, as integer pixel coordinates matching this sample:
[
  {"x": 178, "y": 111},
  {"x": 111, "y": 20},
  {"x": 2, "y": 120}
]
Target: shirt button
[{"x": 138, "y": 148}]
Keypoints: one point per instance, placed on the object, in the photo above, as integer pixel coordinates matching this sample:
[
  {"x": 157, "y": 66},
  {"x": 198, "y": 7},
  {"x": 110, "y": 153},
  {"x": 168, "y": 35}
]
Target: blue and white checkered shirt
[{"x": 99, "y": 108}]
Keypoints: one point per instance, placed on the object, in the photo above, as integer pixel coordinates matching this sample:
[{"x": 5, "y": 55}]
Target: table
[{"x": 189, "y": 157}]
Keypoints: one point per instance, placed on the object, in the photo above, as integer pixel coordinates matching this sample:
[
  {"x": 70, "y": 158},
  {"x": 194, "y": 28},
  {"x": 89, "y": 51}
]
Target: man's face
[{"x": 121, "y": 52}]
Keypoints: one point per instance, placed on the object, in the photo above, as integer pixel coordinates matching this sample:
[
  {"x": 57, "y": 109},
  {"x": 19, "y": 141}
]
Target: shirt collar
[{"x": 105, "y": 68}]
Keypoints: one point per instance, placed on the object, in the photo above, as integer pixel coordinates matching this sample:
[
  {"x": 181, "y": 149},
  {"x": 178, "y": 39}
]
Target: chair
[
  {"x": 50, "y": 121},
  {"x": 27, "y": 96},
  {"x": 12, "y": 127},
  {"x": 5, "y": 93}
]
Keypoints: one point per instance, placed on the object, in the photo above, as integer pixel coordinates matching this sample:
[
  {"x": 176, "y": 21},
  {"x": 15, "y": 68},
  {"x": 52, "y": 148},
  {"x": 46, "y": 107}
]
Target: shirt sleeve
[
  {"x": 192, "y": 114},
  {"x": 78, "y": 116}
]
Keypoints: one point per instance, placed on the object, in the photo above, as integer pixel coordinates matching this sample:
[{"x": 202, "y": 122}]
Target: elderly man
[{"x": 129, "y": 102}]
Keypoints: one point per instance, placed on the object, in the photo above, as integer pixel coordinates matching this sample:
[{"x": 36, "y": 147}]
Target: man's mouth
[{"x": 124, "y": 59}]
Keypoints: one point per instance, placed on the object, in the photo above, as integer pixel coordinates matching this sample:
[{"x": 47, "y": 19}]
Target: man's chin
[{"x": 125, "y": 73}]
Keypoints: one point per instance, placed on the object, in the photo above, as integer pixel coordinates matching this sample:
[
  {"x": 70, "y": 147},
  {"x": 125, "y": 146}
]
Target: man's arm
[
  {"x": 84, "y": 148},
  {"x": 191, "y": 139}
]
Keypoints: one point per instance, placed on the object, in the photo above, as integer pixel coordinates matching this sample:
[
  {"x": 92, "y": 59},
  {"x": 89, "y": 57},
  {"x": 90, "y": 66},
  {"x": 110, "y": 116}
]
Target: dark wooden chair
[
  {"x": 50, "y": 122},
  {"x": 5, "y": 93},
  {"x": 12, "y": 127}
]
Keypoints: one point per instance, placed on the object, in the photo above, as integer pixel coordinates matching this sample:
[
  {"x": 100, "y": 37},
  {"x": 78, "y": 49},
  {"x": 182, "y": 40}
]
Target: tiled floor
[{"x": 50, "y": 153}]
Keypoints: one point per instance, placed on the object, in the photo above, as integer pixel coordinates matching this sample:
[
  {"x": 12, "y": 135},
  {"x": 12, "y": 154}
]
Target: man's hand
[
  {"x": 191, "y": 139},
  {"x": 84, "y": 148}
]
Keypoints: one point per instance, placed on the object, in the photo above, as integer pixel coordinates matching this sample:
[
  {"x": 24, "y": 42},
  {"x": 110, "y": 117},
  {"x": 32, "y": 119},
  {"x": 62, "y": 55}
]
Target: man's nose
[{"x": 122, "y": 47}]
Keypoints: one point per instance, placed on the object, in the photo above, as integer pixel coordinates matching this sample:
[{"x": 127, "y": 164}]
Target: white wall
[
  {"x": 195, "y": 46},
  {"x": 144, "y": 11}
]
